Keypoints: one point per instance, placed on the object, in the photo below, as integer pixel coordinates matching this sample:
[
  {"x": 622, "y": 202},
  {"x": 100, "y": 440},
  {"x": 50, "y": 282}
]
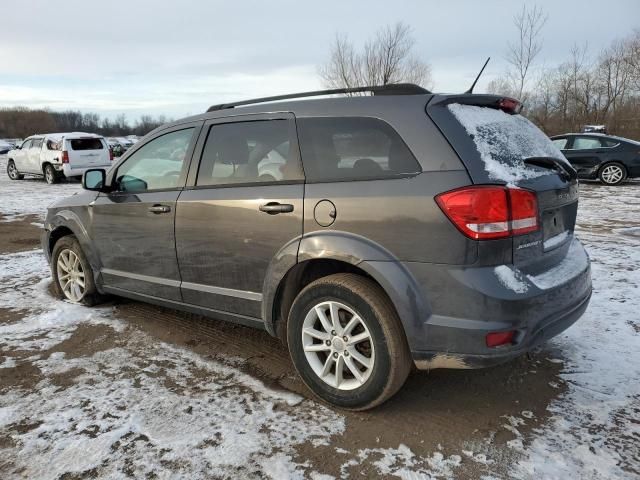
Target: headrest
[{"x": 233, "y": 150}]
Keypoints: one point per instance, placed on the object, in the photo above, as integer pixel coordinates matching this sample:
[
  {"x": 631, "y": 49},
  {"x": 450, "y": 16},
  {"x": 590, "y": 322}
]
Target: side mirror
[{"x": 94, "y": 179}]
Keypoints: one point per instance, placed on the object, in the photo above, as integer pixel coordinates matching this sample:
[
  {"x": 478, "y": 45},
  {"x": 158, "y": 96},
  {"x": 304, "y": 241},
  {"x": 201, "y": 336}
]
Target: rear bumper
[
  {"x": 78, "y": 172},
  {"x": 545, "y": 330},
  {"x": 467, "y": 304}
]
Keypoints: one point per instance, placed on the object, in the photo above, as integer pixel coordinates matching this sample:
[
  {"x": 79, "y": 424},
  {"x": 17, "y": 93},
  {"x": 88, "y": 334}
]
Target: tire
[
  {"x": 69, "y": 249},
  {"x": 612, "y": 173},
  {"x": 50, "y": 174},
  {"x": 12, "y": 171},
  {"x": 382, "y": 343}
]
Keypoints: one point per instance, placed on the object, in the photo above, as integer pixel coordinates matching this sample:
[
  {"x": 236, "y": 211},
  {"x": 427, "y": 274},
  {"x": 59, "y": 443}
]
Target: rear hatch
[
  {"x": 500, "y": 147},
  {"x": 87, "y": 152}
]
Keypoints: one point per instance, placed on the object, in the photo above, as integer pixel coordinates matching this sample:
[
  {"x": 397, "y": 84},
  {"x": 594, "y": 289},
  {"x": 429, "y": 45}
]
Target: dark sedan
[{"x": 605, "y": 157}]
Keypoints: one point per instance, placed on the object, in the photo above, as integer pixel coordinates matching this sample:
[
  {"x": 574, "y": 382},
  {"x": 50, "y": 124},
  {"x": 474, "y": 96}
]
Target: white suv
[{"x": 55, "y": 155}]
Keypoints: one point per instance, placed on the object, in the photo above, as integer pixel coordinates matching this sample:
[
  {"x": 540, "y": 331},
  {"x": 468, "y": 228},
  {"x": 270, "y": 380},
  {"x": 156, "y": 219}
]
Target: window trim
[
  {"x": 294, "y": 146},
  {"x": 186, "y": 164},
  {"x": 393, "y": 176}
]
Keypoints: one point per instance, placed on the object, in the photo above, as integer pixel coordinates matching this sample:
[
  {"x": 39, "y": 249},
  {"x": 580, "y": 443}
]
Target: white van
[{"x": 57, "y": 155}]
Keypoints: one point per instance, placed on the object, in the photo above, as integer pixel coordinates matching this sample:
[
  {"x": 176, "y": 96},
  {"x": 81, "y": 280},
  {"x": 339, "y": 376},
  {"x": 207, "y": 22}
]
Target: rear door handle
[
  {"x": 273, "y": 208},
  {"x": 160, "y": 209}
]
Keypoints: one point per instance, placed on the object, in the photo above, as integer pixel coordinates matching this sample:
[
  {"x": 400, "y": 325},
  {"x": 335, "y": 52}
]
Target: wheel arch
[
  {"x": 66, "y": 222},
  {"x": 326, "y": 253}
]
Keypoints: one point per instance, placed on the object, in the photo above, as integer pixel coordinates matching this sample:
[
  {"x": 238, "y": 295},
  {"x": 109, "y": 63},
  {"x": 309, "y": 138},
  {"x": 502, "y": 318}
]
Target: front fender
[
  {"x": 399, "y": 284},
  {"x": 71, "y": 220}
]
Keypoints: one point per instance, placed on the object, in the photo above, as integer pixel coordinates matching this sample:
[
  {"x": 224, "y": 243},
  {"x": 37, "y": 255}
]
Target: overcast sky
[{"x": 177, "y": 58}]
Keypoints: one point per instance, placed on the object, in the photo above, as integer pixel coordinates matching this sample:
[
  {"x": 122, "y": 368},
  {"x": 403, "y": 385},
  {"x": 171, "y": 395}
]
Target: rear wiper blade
[{"x": 554, "y": 163}]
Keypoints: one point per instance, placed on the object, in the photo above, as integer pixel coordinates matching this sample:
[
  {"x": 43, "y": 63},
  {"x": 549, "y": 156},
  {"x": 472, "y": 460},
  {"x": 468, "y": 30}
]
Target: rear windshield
[
  {"x": 504, "y": 141},
  {"x": 86, "y": 144}
]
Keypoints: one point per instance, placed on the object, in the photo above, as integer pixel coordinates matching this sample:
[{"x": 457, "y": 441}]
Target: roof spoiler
[{"x": 389, "y": 89}]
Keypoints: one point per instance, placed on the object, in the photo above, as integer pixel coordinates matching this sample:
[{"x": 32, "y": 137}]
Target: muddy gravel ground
[{"x": 129, "y": 390}]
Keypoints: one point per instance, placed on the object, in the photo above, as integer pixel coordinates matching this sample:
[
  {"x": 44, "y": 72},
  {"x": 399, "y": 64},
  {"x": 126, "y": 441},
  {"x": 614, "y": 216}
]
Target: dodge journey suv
[{"x": 369, "y": 233}]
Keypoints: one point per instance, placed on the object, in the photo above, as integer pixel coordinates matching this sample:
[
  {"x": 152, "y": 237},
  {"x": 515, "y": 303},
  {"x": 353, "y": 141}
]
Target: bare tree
[
  {"x": 386, "y": 58},
  {"x": 522, "y": 54}
]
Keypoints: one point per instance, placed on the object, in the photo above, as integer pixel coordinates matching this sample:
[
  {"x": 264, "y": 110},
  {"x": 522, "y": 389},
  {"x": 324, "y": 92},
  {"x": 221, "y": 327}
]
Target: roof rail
[{"x": 389, "y": 89}]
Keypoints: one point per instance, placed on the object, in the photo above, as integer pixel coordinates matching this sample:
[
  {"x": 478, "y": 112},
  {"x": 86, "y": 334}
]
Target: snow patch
[
  {"x": 510, "y": 279},
  {"x": 556, "y": 240},
  {"x": 504, "y": 141},
  {"x": 574, "y": 263}
]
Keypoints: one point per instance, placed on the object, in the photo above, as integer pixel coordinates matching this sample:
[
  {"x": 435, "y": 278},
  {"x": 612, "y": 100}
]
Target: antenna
[{"x": 478, "y": 77}]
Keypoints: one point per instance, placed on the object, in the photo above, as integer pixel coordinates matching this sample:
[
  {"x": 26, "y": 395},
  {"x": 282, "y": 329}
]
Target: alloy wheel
[
  {"x": 49, "y": 175},
  {"x": 12, "y": 171},
  {"x": 70, "y": 275},
  {"x": 612, "y": 174},
  {"x": 338, "y": 345}
]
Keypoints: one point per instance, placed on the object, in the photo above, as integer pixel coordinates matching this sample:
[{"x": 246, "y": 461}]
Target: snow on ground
[
  {"x": 30, "y": 196},
  {"x": 132, "y": 405},
  {"x": 140, "y": 406},
  {"x": 594, "y": 431}
]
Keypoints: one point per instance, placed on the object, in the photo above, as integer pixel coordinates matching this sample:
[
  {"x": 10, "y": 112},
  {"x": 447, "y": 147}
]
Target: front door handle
[
  {"x": 160, "y": 209},
  {"x": 274, "y": 208}
]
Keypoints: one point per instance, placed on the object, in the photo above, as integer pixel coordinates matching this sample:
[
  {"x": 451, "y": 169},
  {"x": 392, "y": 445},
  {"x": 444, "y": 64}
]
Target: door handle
[
  {"x": 273, "y": 208},
  {"x": 160, "y": 209}
]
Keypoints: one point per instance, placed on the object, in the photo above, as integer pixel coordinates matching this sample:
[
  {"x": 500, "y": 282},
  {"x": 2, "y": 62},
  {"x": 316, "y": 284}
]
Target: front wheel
[
  {"x": 50, "y": 174},
  {"x": 12, "y": 171},
  {"x": 347, "y": 342},
  {"x": 72, "y": 274},
  {"x": 612, "y": 173}
]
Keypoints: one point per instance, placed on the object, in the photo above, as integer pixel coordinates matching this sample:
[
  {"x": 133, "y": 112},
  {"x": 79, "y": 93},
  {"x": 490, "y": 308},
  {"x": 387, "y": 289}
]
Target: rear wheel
[
  {"x": 50, "y": 174},
  {"x": 347, "y": 343},
  {"x": 72, "y": 274},
  {"x": 612, "y": 173},
  {"x": 12, "y": 171}
]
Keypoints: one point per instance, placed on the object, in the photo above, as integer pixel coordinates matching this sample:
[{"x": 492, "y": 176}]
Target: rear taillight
[
  {"x": 489, "y": 212},
  {"x": 65, "y": 157},
  {"x": 110, "y": 155},
  {"x": 510, "y": 105}
]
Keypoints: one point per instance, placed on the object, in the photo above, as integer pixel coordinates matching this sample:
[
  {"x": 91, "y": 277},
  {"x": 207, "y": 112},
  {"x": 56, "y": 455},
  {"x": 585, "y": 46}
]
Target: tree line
[
  {"x": 601, "y": 88},
  {"x": 586, "y": 89},
  {"x": 22, "y": 122}
]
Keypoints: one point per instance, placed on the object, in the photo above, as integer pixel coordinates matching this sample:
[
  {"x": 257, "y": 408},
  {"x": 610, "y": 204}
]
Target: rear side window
[
  {"x": 249, "y": 152},
  {"x": 561, "y": 143},
  {"x": 54, "y": 144},
  {"x": 586, "y": 143},
  {"x": 352, "y": 148},
  {"x": 86, "y": 144}
]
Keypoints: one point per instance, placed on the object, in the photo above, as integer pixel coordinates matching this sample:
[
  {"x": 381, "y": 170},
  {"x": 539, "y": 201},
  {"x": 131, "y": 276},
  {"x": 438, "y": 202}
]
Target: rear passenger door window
[
  {"x": 353, "y": 148},
  {"x": 586, "y": 143},
  {"x": 259, "y": 151},
  {"x": 561, "y": 143}
]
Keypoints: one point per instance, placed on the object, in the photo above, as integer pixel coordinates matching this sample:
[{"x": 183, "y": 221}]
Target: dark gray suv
[{"x": 369, "y": 233}]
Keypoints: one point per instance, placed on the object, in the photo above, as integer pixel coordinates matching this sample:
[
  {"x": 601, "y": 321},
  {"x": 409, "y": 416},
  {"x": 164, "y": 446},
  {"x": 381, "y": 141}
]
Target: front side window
[
  {"x": 156, "y": 165},
  {"x": 561, "y": 143},
  {"x": 352, "y": 148},
  {"x": 586, "y": 143},
  {"x": 249, "y": 152},
  {"x": 36, "y": 143},
  {"x": 26, "y": 144}
]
